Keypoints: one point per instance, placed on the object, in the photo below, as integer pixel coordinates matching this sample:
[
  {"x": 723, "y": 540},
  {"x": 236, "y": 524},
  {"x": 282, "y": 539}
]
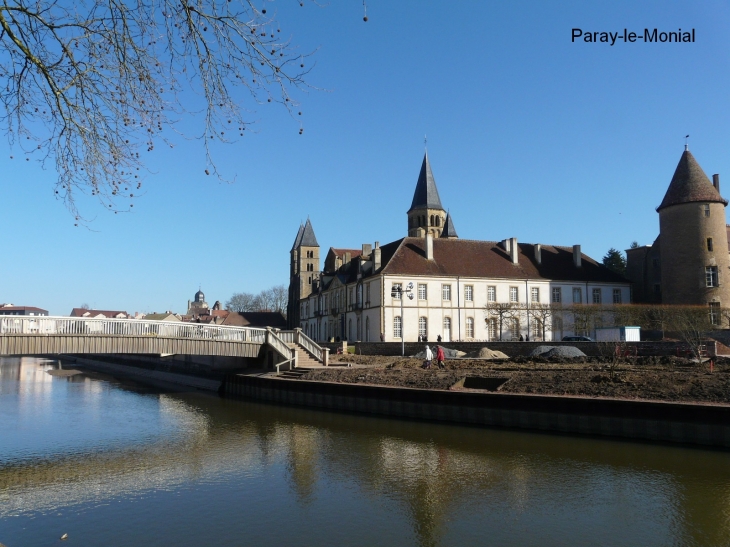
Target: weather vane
[{"x": 686, "y": 142}]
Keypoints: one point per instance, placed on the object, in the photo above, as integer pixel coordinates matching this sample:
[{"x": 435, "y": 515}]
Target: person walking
[
  {"x": 440, "y": 356},
  {"x": 429, "y": 358}
]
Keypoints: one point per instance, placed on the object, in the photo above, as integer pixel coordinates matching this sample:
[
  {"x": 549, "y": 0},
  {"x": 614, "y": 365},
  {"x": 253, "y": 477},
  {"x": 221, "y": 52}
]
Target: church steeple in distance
[{"x": 426, "y": 213}]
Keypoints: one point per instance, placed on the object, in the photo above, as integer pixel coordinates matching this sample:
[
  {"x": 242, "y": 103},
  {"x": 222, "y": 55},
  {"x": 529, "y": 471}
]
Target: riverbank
[{"x": 668, "y": 379}]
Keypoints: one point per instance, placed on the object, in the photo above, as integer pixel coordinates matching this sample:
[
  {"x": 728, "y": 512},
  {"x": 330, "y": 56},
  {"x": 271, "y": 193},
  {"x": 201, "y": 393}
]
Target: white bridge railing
[{"x": 81, "y": 326}]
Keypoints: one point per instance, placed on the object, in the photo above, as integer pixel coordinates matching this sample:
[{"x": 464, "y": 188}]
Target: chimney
[
  {"x": 538, "y": 253},
  {"x": 505, "y": 244},
  {"x": 348, "y": 257},
  {"x": 429, "y": 246},
  {"x": 513, "y": 249},
  {"x": 716, "y": 182},
  {"x": 366, "y": 250},
  {"x": 576, "y": 256},
  {"x": 376, "y": 257}
]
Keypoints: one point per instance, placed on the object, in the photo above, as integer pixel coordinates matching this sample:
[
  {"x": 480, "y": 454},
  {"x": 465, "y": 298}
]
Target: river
[{"x": 114, "y": 463}]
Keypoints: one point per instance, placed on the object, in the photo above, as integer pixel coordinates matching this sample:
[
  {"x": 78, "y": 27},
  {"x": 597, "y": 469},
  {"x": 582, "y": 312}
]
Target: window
[
  {"x": 491, "y": 294},
  {"x": 397, "y": 326},
  {"x": 617, "y": 296},
  {"x": 706, "y": 207},
  {"x": 395, "y": 291},
  {"x": 446, "y": 292},
  {"x": 422, "y": 293},
  {"x": 715, "y": 313},
  {"x": 492, "y": 328},
  {"x": 655, "y": 263},
  {"x": 349, "y": 329},
  {"x": 367, "y": 329},
  {"x": 447, "y": 329},
  {"x": 535, "y": 294},
  {"x": 423, "y": 327},
  {"x": 557, "y": 295},
  {"x": 469, "y": 293},
  {"x": 513, "y": 294},
  {"x": 367, "y": 294},
  {"x": 711, "y": 276},
  {"x": 577, "y": 295},
  {"x": 557, "y": 327},
  {"x": 514, "y": 328},
  {"x": 537, "y": 333},
  {"x": 709, "y": 244},
  {"x": 596, "y": 296},
  {"x": 470, "y": 327}
]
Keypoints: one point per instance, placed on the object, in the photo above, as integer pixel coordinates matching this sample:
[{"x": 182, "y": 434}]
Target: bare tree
[
  {"x": 279, "y": 298},
  {"x": 691, "y": 323},
  {"x": 542, "y": 314},
  {"x": 241, "y": 302},
  {"x": 88, "y": 86},
  {"x": 501, "y": 311}
]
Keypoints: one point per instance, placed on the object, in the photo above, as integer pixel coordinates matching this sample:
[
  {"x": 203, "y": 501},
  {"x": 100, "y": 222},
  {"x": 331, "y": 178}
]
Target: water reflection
[{"x": 416, "y": 483}]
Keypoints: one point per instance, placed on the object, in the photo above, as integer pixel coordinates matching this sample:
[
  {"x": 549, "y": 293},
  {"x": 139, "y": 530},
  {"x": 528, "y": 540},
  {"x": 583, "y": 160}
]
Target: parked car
[{"x": 577, "y": 339}]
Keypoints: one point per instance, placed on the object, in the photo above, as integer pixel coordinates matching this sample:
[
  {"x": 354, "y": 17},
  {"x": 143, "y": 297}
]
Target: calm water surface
[{"x": 114, "y": 463}]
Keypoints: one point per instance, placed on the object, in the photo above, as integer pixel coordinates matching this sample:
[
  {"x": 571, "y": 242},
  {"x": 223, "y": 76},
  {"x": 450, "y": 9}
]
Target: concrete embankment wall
[
  {"x": 516, "y": 349},
  {"x": 707, "y": 425},
  {"x": 148, "y": 375}
]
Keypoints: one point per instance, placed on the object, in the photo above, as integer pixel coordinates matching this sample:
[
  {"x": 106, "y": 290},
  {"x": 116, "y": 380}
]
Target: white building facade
[{"x": 435, "y": 286}]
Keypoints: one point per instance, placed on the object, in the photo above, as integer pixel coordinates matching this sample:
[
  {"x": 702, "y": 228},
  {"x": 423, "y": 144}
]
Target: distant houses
[{"x": 10, "y": 309}]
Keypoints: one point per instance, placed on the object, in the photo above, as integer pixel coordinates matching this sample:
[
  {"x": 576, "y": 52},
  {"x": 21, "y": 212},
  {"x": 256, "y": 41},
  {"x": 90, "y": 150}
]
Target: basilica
[{"x": 433, "y": 285}]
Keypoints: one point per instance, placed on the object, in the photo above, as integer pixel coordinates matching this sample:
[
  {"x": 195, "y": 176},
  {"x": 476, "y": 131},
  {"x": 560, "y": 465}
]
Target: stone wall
[{"x": 657, "y": 421}]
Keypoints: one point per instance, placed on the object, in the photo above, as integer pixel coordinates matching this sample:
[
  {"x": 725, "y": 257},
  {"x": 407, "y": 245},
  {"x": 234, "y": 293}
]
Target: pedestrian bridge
[{"x": 33, "y": 335}]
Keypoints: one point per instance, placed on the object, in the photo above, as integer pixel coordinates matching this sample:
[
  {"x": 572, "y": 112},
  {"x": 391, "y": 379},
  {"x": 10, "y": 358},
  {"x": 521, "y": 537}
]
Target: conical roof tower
[
  {"x": 694, "y": 263},
  {"x": 426, "y": 213}
]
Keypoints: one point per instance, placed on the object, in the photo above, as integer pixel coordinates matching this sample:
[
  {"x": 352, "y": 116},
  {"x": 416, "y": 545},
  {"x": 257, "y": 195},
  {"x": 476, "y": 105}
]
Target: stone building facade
[
  {"x": 689, "y": 263},
  {"x": 432, "y": 284}
]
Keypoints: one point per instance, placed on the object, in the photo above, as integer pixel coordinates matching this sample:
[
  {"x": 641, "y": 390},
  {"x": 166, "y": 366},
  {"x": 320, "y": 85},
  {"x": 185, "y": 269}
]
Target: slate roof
[
  {"x": 469, "y": 258},
  {"x": 449, "y": 230},
  {"x": 690, "y": 184},
  {"x": 308, "y": 239},
  {"x": 298, "y": 239},
  {"x": 426, "y": 194}
]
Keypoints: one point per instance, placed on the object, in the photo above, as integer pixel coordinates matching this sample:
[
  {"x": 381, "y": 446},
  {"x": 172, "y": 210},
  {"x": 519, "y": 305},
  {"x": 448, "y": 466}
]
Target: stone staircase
[{"x": 304, "y": 358}]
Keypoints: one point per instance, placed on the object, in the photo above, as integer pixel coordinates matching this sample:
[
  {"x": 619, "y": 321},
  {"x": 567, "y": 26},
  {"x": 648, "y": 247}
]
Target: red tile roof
[{"x": 469, "y": 258}]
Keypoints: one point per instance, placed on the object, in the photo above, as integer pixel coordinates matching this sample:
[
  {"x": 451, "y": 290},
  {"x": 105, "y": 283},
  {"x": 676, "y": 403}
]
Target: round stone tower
[{"x": 694, "y": 263}]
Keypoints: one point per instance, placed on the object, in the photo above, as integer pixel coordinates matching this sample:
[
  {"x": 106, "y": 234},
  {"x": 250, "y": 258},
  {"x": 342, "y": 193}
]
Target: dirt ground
[{"x": 653, "y": 378}]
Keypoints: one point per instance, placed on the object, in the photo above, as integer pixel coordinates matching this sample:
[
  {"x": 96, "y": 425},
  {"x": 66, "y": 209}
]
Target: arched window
[
  {"x": 367, "y": 329},
  {"x": 438, "y": 221},
  {"x": 514, "y": 328},
  {"x": 359, "y": 329},
  {"x": 423, "y": 327},
  {"x": 470, "y": 327},
  {"x": 492, "y": 331},
  {"x": 349, "y": 329},
  {"x": 433, "y": 223},
  {"x": 447, "y": 329},
  {"x": 397, "y": 326}
]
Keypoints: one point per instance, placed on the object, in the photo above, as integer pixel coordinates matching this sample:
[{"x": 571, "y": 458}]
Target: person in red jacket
[{"x": 440, "y": 357}]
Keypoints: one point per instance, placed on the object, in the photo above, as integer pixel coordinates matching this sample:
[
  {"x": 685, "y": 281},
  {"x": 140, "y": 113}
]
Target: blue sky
[{"x": 529, "y": 136}]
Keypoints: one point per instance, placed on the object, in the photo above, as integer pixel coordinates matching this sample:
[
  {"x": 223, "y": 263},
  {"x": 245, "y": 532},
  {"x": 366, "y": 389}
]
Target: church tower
[
  {"x": 303, "y": 270},
  {"x": 695, "y": 267},
  {"x": 426, "y": 213}
]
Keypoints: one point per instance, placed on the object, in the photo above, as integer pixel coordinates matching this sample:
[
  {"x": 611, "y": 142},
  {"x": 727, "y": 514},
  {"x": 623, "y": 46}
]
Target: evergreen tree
[{"x": 615, "y": 261}]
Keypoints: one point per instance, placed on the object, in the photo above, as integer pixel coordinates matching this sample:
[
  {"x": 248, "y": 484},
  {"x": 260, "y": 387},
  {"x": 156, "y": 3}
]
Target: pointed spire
[
  {"x": 690, "y": 184},
  {"x": 449, "y": 231},
  {"x": 298, "y": 239},
  {"x": 426, "y": 194},
  {"x": 308, "y": 238}
]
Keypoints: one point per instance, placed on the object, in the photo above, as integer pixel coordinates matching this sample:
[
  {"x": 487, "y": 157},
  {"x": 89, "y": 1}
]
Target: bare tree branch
[{"x": 90, "y": 84}]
